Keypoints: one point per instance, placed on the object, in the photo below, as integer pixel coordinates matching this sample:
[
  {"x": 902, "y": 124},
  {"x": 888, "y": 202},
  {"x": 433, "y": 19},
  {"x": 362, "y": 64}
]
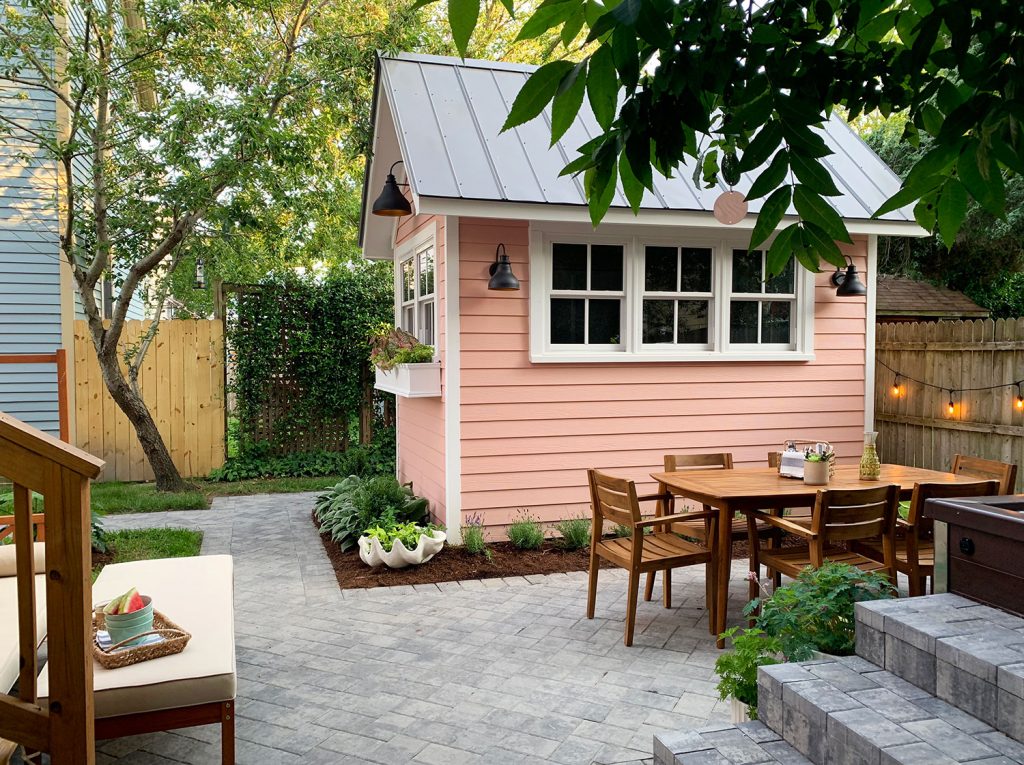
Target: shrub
[
  {"x": 525, "y": 533},
  {"x": 575, "y": 533},
  {"x": 816, "y": 610},
  {"x": 258, "y": 462},
  {"x": 346, "y": 510},
  {"x": 737, "y": 669},
  {"x": 622, "y": 531},
  {"x": 473, "y": 538}
]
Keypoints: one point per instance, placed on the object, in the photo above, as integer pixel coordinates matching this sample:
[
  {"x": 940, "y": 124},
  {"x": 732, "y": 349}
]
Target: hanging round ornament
[{"x": 730, "y": 208}]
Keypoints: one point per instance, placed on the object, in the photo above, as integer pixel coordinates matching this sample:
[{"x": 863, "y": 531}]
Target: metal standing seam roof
[{"x": 448, "y": 113}]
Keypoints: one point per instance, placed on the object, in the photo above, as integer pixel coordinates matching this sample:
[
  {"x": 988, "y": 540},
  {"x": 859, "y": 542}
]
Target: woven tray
[{"x": 175, "y": 640}]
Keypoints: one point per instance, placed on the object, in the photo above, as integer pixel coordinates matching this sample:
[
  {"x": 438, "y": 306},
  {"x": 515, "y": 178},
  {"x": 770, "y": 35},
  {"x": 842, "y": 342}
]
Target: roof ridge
[{"x": 466, "y": 63}]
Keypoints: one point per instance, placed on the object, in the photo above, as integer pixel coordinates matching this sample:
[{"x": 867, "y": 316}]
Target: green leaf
[
  {"x": 768, "y": 219},
  {"x": 988, "y": 192},
  {"x": 544, "y": 18},
  {"x": 572, "y": 27},
  {"x": 931, "y": 118},
  {"x": 603, "y": 86},
  {"x": 631, "y": 185},
  {"x": 802, "y": 140},
  {"x": 462, "y": 17},
  {"x": 709, "y": 168},
  {"x": 823, "y": 244},
  {"x": 771, "y": 177},
  {"x": 568, "y": 100},
  {"x": 910, "y": 192},
  {"x": 781, "y": 250},
  {"x": 924, "y": 213},
  {"x": 536, "y": 92},
  {"x": 952, "y": 210},
  {"x": 813, "y": 208},
  {"x": 600, "y": 185},
  {"x": 767, "y": 140},
  {"x": 814, "y": 175}
]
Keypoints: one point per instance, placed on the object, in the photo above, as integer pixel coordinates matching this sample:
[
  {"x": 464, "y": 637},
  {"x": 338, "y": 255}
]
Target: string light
[{"x": 899, "y": 378}]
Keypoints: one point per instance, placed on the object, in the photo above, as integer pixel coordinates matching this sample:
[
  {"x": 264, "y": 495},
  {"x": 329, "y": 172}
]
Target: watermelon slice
[{"x": 135, "y": 604}]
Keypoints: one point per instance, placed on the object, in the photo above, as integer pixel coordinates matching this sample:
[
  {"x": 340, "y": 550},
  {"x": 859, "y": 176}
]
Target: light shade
[
  {"x": 502, "y": 277},
  {"x": 392, "y": 201},
  {"x": 848, "y": 283}
]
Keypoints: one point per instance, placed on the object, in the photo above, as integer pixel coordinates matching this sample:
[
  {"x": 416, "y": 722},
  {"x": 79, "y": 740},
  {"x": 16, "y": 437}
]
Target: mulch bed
[
  {"x": 101, "y": 559},
  {"x": 454, "y": 563}
]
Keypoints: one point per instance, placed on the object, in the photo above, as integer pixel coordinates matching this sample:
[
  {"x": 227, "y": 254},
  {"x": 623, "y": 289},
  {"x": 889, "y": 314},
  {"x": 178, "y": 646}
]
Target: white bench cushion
[
  {"x": 196, "y": 594},
  {"x": 8, "y": 559},
  {"x": 9, "y": 653}
]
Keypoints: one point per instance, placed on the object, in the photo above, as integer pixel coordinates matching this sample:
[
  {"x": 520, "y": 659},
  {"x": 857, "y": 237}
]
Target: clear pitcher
[{"x": 870, "y": 466}]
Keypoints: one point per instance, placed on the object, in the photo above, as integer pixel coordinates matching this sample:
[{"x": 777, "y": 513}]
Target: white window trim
[
  {"x": 634, "y": 351},
  {"x": 403, "y": 252}
]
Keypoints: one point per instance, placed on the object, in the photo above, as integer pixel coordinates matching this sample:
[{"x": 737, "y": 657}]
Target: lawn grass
[
  {"x": 146, "y": 544},
  {"x": 114, "y": 498}
]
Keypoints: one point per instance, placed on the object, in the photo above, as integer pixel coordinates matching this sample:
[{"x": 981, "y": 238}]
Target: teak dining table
[{"x": 739, "y": 489}]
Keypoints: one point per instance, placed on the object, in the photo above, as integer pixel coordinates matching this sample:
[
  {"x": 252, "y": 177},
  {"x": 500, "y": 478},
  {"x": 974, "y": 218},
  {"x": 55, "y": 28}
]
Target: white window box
[{"x": 411, "y": 380}]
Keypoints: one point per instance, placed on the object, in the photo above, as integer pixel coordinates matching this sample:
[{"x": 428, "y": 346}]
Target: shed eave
[{"x": 509, "y": 210}]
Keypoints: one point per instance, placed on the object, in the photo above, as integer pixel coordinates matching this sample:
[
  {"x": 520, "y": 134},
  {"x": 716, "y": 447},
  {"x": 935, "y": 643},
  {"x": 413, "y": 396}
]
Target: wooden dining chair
[
  {"x": 914, "y": 540},
  {"x": 693, "y": 527},
  {"x": 839, "y": 516},
  {"x": 801, "y": 515},
  {"x": 976, "y": 467},
  {"x": 615, "y": 500}
]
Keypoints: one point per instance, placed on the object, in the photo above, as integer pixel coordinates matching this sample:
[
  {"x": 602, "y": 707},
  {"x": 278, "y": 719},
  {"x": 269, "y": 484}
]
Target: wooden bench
[{"x": 194, "y": 687}]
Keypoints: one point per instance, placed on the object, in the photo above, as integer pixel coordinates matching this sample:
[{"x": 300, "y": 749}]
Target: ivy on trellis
[{"x": 299, "y": 355}]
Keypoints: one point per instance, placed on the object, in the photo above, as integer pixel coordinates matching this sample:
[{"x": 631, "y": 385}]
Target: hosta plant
[{"x": 346, "y": 510}]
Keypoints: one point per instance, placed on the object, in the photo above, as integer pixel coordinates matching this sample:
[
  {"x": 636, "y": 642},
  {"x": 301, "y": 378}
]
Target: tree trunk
[{"x": 167, "y": 476}]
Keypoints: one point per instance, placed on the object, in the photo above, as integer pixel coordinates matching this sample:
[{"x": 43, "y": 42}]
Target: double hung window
[{"x": 417, "y": 301}]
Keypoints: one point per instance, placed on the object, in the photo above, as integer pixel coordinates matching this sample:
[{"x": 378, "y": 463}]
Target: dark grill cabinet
[{"x": 979, "y": 549}]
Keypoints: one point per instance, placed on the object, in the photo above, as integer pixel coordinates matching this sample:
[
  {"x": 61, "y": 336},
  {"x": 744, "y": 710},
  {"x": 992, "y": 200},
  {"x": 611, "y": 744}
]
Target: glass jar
[{"x": 870, "y": 466}]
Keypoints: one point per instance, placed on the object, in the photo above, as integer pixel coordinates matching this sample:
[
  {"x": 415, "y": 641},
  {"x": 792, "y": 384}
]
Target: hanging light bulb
[
  {"x": 896, "y": 386},
  {"x": 951, "y": 407},
  {"x": 1020, "y": 396}
]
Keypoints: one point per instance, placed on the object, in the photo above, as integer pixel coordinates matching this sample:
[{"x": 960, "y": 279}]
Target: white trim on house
[
  {"x": 452, "y": 385},
  {"x": 564, "y": 213},
  {"x": 630, "y": 348},
  {"x": 410, "y": 249},
  {"x": 869, "y": 334}
]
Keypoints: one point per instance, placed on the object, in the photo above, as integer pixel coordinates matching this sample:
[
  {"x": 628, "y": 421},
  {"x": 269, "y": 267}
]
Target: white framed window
[
  {"x": 659, "y": 295},
  {"x": 415, "y": 288}
]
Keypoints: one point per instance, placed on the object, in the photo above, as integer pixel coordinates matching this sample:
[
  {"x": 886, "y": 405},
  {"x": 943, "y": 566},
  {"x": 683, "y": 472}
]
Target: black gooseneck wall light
[
  {"x": 392, "y": 202},
  {"x": 848, "y": 283},
  {"x": 502, "y": 277}
]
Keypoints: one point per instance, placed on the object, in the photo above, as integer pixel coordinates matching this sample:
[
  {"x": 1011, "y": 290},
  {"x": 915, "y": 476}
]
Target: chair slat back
[
  {"x": 674, "y": 462},
  {"x": 613, "y": 499},
  {"x": 38, "y": 527},
  {"x": 925, "y": 491},
  {"x": 976, "y": 467},
  {"x": 845, "y": 514}
]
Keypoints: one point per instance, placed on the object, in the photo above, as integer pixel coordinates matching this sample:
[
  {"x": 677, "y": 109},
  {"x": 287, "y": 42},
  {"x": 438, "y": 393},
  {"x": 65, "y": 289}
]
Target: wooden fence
[
  {"x": 182, "y": 382},
  {"x": 915, "y": 425}
]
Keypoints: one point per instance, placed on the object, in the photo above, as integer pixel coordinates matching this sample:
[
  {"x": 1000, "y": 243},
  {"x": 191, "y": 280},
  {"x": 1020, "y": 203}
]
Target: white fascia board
[
  {"x": 474, "y": 208},
  {"x": 869, "y": 332}
]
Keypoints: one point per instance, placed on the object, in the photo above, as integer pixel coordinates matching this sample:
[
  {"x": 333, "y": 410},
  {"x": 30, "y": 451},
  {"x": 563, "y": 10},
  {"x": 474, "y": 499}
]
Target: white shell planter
[
  {"x": 411, "y": 380},
  {"x": 373, "y": 554},
  {"x": 738, "y": 711}
]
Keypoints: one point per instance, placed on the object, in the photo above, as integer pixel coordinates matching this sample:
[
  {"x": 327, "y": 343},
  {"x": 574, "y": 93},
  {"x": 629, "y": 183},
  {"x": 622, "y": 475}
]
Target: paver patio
[{"x": 484, "y": 671}]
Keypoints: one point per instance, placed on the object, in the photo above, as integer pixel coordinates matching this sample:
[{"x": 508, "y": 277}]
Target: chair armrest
[
  {"x": 676, "y": 517},
  {"x": 781, "y": 523},
  {"x": 653, "y": 497}
]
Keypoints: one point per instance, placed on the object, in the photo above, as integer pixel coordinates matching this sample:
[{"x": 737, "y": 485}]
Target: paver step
[
  {"x": 967, "y": 654},
  {"x": 748, "y": 743},
  {"x": 848, "y": 711}
]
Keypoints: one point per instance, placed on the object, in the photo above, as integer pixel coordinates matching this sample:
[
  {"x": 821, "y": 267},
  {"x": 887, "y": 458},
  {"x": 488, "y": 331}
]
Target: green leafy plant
[
  {"x": 816, "y": 610},
  {"x": 391, "y": 346},
  {"x": 258, "y": 461},
  {"x": 407, "y": 533},
  {"x": 354, "y": 505},
  {"x": 97, "y": 534},
  {"x": 622, "y": 531},
  {"x": 474, "y": 538},
  {"x": 575, "y": 533},
  {"x": 737, "y": 669},
  {"x": 525, "y": 533}
]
